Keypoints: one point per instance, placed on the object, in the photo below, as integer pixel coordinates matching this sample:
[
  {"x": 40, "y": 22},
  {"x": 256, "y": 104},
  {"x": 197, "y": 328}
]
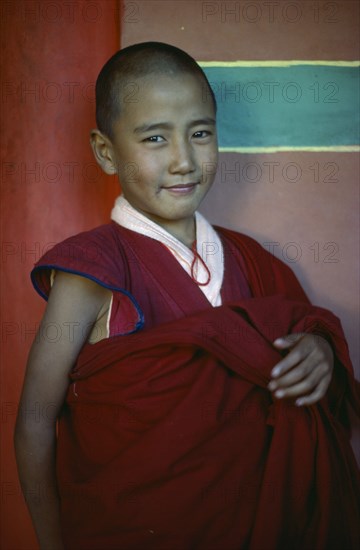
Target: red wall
[{"x": 51, "y": 188}]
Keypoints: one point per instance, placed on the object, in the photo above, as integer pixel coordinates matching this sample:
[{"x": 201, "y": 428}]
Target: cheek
[
  {"x": 215, "y": 153},
  {"x": 137, "y": 170},
  {"x": 209, "y": 162},
  {"x": 210, "y": 154},
  {"x": 149, "y": 168}
]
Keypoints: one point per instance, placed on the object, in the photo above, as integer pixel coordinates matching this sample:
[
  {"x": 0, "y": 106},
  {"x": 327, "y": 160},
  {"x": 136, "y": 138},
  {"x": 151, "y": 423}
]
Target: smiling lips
[{"x": 182, "y": 188}]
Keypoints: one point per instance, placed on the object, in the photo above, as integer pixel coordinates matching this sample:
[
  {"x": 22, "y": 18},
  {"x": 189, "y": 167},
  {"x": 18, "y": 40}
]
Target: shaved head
[{"x": 117, "y": 78}]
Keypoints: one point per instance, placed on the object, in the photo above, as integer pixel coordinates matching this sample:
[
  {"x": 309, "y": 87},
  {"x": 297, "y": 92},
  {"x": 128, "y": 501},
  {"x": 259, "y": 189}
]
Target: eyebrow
[{"x": 167, "y": 126}]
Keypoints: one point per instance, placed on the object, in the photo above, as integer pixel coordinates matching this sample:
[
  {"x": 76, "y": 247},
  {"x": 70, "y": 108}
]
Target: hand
[{"x": 305, "y": 373}]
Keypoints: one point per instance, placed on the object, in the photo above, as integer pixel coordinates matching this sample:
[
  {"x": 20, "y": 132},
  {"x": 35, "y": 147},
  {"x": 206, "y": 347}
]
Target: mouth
[{"x": 181, "y": 188}]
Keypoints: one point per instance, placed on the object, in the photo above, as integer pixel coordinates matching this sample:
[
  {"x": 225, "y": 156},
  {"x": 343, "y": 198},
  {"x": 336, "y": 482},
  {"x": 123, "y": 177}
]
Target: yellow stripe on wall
[
  {"x": 290, "y": 63},
  {"x": 320, "y": 149}
]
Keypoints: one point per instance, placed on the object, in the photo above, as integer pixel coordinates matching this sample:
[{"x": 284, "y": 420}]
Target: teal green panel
[{"x": 304, "y": 105}]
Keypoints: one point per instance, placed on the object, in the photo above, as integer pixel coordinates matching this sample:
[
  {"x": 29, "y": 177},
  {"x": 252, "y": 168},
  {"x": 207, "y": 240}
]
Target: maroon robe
[{"x": 169, "y": 438}]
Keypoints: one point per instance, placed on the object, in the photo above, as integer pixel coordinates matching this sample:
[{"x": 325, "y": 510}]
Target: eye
[
  {"x": 201, "y": 134},
  {"x": 154, "y": 139}
]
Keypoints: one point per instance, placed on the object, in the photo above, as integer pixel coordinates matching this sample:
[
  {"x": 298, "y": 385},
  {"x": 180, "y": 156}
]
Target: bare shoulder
[
  {"x": 71, "y": 311},
  {"x": 70, "y": 291},
  {"x": 72, "y": 308}
]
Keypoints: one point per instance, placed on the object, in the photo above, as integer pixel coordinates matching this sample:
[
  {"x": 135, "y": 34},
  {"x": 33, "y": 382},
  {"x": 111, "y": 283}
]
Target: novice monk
[{"x": 192, "y": 391}]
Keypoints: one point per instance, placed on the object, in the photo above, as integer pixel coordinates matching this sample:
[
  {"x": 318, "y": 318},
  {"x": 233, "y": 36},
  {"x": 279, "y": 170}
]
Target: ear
[{"x": 103, "y": 151}]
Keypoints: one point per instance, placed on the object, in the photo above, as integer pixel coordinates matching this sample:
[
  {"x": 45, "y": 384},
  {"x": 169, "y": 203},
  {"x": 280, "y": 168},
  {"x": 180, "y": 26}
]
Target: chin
[{"x": 181, "y": 213}]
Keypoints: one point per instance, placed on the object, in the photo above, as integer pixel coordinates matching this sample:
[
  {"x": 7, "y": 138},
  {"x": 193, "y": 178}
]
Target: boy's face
[{"x": 165, "y": 147}]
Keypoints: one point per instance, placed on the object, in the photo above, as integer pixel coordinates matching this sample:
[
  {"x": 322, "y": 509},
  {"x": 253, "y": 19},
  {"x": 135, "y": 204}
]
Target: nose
[{"x": 182, "y": 158}]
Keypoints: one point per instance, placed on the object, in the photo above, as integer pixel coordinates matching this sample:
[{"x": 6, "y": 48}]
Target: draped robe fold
[{"x": 170, "y": 440}]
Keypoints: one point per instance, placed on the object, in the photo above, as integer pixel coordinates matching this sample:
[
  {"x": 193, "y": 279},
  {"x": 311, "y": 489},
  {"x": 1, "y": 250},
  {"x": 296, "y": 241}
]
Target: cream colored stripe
[
  {"x": 290, "y": 63},
  {"x": 109, "y": 316},
  {"x": 280, "y": 148}
]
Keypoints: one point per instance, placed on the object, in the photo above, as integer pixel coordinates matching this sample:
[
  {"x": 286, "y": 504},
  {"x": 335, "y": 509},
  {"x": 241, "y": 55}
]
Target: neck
[{"x": 184, "y": 230}]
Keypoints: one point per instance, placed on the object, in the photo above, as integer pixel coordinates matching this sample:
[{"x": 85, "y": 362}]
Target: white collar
[{"x": 208, "y": 245}]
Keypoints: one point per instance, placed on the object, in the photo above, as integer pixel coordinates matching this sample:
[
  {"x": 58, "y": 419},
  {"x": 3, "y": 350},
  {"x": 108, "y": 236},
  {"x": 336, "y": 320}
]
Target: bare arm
[{"x": 72, "y": 309}]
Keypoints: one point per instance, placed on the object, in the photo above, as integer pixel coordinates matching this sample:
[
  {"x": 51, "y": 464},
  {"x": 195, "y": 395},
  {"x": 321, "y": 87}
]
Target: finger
[
  {"x": 285, "y": 342},
  {"x": 307, "y": 385},
  {"x": 313, "y": 363},
  {"x": 316, "y": 395},
  {"x": 299, "y": 372},
  {"x": 301, "y": 350}
]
